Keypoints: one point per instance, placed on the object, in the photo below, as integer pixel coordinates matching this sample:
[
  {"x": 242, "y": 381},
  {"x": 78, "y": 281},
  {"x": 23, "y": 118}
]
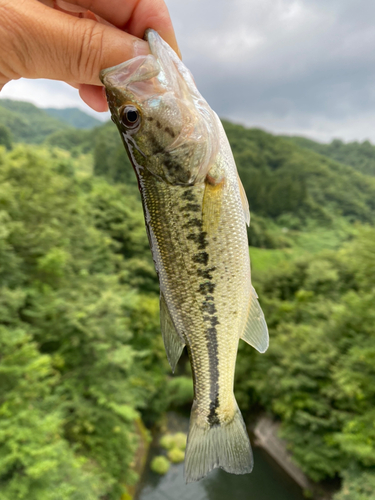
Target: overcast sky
[{"x": 288, "y": 66}]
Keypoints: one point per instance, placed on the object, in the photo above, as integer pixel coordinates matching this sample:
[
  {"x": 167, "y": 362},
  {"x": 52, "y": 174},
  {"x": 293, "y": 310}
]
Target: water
[{"x": 267, "y": 482}]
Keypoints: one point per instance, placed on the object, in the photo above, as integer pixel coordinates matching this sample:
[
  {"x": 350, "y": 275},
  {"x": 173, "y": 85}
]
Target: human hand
[{"x": 67, "y": 40}]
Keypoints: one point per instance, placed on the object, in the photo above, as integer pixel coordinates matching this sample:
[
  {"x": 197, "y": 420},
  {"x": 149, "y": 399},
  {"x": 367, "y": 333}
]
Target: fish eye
[{"x": 130, "y": 117}]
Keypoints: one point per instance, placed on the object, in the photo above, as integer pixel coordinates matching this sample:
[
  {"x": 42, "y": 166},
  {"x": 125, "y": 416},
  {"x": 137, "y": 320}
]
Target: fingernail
[{"x": 140, "y": 48}]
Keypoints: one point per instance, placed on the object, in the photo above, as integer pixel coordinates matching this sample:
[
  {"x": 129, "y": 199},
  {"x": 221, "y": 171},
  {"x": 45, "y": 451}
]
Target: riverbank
[
  {"x": 140, "y": 459},
  {"x": 266, "y": 434},
  {"x": 267, "y": 481}
]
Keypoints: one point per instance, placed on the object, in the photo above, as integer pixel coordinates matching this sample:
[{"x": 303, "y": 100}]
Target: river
[{"x": 267, "y": 482}]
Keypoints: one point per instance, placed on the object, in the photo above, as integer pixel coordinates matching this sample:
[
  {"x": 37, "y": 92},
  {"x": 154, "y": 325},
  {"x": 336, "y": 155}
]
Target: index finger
[{"x": 134, "y": 16}]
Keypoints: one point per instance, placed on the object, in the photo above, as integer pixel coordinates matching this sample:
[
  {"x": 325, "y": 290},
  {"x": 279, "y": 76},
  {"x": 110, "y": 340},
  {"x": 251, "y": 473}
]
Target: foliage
[
  {"x": 263, "y": 233},
  {"x": 281, "y": 178},
  {"x": 82, "y": 358},
  {"x": 180, "y": 440},
  {"x": 361, "y": 156},
  {"x": 318, "y": 374},
  {"x": 180, "y": 390},
  {"x": 175, "y": 455},
  {"x": 160, "y": 464},
  {"x": 110, "y": 158},
  {"x": 357, "y": 485},
  {"x": 71, "y": 139},
  {"x": 81, "y": 354},
  {"x": 26, "y": 122},
  {"x": 5, "y": 137},
  {"x": 36, "y": 461},
  {"x": 173, "y": 441},
  {"x": 73, "y": 117}
]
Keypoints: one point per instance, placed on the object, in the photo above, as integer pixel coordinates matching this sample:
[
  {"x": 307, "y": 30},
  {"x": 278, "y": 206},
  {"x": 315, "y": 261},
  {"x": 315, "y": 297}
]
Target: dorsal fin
[
  {"x": 256, "y": 331},
  {"x": 245, "y": 203},
  {"x": 172, "y": 341}
]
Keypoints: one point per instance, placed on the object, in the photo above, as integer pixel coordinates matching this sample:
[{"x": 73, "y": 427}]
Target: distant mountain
[
  {"x": 279, "y": 176},
  {"x": 359, "y": 155},
  {"x": 289, "y": 177},
  {"x": 74, "y": 117},
  {"x": 30, "y": 124},
  {"x": 27, "y": 123}
]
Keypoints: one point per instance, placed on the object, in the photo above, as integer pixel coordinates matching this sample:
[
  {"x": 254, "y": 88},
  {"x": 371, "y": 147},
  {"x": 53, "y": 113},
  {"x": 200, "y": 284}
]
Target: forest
[{"x": 83, "y": 371}]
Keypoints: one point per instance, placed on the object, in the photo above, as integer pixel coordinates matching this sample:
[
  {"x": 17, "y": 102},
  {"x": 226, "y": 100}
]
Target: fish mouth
[
  {"x": 107, "y": 71},
  {"x": 153, "y": 38},
  {"x": 138, "y": 69},
  {"x": 130, "y": 66},
  {"x": 161, "y": 73},
  {"x": 161, "y": 64}
]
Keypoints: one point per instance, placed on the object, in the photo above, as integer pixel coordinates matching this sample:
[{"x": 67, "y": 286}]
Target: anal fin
[
  {"x": 172, "y": 341},
  {"x": 256, "y": 331}
]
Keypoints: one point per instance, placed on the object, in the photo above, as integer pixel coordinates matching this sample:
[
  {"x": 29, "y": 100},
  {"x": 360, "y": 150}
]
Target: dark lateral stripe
[
  {"x": 206, "y": 288},
  {"x": 213, "y": 418},
  {"x": 213, "y": 358},
  {"x": 201, "y": 258}
]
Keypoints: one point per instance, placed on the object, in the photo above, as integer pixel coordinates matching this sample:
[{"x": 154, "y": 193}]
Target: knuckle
[{"x": 89, "y": 51}]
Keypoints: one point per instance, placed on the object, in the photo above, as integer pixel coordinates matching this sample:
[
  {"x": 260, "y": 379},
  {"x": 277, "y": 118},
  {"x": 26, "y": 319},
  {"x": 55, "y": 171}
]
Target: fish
[{"x": 196, "y": 212}]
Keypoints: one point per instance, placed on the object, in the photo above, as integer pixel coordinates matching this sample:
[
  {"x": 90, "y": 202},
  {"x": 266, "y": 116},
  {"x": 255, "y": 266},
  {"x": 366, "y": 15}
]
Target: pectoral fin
[
  {"x": 172, "y": 341},
  {"x": 245, "y": 203},
  {"x": 256, "y": 331},
  {"x": 212, "y": 204}
]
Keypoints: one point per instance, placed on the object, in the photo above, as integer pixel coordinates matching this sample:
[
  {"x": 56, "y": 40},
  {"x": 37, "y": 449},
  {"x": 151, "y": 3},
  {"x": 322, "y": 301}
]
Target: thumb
[{"x": 46, "y": 43}]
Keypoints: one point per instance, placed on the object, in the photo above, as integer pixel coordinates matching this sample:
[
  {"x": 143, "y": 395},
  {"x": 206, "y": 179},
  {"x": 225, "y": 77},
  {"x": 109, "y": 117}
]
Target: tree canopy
[{"x": 82, "y": 361}]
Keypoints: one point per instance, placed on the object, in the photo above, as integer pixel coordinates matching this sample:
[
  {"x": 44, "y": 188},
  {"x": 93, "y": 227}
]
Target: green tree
[
  {"x": 5, "y": 137},
  {"x": 318, "y": 373},
  {"x": 82, "y": 355},
  {"x": 357, "y": 485}
]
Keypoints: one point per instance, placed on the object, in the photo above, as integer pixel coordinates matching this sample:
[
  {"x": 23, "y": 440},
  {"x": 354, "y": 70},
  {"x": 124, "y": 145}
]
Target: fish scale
[
  {"x": 195, "y": 212},
  {"x": 180, "y": 282}
]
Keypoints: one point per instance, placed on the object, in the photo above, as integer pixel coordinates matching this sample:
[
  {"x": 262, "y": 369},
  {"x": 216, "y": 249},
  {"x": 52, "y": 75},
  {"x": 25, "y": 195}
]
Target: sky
[{"x": 301, "y": 67}]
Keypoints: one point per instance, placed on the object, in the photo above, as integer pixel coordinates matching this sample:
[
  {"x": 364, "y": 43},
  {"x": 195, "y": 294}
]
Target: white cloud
[
  {"x": 308, "y": 69},
  {"x": 353, "y": 128},
  {"x": 290, "y": 66},
  {"x": 47, "y": 94}
]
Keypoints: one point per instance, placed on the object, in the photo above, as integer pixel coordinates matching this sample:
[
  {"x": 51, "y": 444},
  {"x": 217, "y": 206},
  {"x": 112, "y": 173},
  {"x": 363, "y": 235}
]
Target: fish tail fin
[{"x": 224, "y": 445}]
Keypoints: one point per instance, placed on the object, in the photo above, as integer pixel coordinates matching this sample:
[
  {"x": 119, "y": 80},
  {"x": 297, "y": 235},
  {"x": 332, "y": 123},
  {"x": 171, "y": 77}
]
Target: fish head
[{"x": 166, "y": 125}]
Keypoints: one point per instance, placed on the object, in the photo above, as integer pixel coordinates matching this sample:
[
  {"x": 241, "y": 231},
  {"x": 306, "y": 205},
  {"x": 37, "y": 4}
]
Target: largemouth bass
[{"x": 196, "y": 212}]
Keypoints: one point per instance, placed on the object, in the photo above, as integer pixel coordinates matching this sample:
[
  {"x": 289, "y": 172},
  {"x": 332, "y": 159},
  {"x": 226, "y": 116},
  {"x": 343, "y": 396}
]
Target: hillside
[
  {"x": 292, "y": 192},
  {"x": 83, "y": 369},
  {"x": 359, "y": 155},
  {"x": 296, "y": 196},
  {"x": 30, "y": 124},
  {"x": 74, "y": 117},
  {"x": 282, "y": 178},
  {"x": 288, "y": 180},
  {"x": 26, "y": 122}
]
